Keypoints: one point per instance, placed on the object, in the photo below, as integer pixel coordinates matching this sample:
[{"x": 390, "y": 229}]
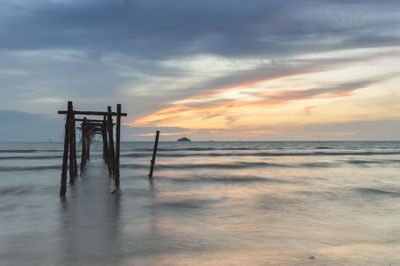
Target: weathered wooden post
[
  {"x": 84, "y": 146},
  {"x": 107, "y": 152},
  {"x": 63, "y": 188},
  {"x": 88, "y": 137},
  {"x": 74, "y": 147},
  {"x": 103, "y": 137},
  {"x": 71, "y": 146},
  {"x": 117, "y": 146},
  {"x": 110, "y": 140},
  {"x": 153, "y": 160}
]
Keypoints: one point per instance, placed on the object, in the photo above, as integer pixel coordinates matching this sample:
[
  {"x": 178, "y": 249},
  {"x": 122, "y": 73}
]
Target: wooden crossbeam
[
  {"x": 92, "y": 113},
  {"x": 89, "y": 120},
  {"x": 92, "y": 130}
]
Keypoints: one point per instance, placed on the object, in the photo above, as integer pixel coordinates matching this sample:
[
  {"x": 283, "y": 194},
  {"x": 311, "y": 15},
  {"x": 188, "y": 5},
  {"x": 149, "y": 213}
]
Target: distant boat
[{"x": 183, "y": 139}]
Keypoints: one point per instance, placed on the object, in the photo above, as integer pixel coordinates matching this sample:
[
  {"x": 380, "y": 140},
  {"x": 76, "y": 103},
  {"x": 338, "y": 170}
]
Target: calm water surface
[{"x": 215, "y": 203}]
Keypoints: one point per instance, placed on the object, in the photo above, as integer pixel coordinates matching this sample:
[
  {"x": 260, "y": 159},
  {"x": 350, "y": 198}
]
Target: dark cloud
[
  {"x": 142, "y": 28},
  {"x": 164, "y": 29}
]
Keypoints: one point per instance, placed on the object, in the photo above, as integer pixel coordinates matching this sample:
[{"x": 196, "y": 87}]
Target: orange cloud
[
  {"x": 222, "y": 113},
  {"x": 258, "y": 104},
  {"x": 164, "y": 134}
]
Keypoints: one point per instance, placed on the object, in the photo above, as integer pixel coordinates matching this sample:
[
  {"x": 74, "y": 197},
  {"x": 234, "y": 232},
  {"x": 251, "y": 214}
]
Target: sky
[{"x": 207, "y": 70}]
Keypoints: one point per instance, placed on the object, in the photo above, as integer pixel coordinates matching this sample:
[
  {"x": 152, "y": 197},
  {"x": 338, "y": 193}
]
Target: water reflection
[{"x": 90, "y": 221}]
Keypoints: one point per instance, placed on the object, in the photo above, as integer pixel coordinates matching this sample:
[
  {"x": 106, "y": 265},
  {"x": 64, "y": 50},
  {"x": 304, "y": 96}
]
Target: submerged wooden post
[
  {"x": 117, "y": 146},
  {"x": 71, "y": 147},
  {"x": 110, "y": 140},
  {"x": 63, "y": 188},
  {"x": 83, "y": 154},
  {"x": 88, "y": 143},
  {"x": 73, "y": 136},
  {"x": 153, "y": 159},
  {"x": 107, "y": 152},
  {"x": 103, "y": 137}
]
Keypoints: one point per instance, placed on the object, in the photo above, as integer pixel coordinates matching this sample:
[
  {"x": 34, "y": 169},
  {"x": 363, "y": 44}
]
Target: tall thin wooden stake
[
  {"x": 73, "y": 128},
  {"x": 153, "y": 159},
  {"x": 71, "y": 147},
  {"x": 63, "y": 188},
  {"x": 106, "y": 144},
  {"x": 84, "y": 146},
  {"x": 117, "y": 146},
  {"x": 110, "y": 140},
  {"x": 88, "y": 137},
  {"x": 103, "y": 137}
]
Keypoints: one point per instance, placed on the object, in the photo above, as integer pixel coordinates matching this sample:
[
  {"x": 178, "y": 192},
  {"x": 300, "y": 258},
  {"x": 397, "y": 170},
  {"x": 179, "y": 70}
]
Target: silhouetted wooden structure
[{"x": 90, "y": 127}]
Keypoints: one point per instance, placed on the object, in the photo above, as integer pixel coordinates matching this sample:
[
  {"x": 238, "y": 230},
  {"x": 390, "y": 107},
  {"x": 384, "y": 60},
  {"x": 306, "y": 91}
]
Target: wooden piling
[
  {"x": 106, "y": 146},
  {"x": 73, "y": 128},
  {"x": 71, "y": 147},
  {"x": 63, "y": 188},
  {"x": 88, "y": 144},
  {"x": 103, "y": 137},
  {"x": 117, "y": 146},
  {"x": 84, "y": 146},
  {"x": 153, "y": 159},
  {"x": 110, "y": 139}
]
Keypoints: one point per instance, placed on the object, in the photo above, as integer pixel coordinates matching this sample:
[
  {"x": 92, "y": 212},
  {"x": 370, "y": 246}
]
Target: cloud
[
  {"x": 148, "y": 133},
  {"x": 222, "y": 109},
  {"x": 156, "y": 56},
  {"x": 236, "y": 28}
]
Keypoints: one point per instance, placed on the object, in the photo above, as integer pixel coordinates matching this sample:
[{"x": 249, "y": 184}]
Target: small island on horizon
[{"x": 184, "y": 139}]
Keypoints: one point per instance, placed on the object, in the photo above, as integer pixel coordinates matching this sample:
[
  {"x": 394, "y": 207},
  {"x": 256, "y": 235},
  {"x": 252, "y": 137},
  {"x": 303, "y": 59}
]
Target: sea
[{"x": 209, "y": 203}]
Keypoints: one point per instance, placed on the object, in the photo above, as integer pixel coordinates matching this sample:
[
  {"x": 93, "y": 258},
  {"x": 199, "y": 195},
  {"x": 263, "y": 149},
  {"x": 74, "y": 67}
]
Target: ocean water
[{"x": 210, "y": 203}]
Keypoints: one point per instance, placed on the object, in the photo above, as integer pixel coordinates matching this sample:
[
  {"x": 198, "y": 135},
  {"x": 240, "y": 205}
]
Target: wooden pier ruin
[{"x": 89, "y": 128}]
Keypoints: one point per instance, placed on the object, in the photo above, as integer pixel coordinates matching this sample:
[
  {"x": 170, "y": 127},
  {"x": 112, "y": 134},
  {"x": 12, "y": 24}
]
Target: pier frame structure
[{"x": 89, "y": 128}]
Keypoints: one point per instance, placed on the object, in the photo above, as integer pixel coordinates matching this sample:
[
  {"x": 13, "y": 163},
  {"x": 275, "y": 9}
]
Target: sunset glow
[{"x": 363, "y": 89}]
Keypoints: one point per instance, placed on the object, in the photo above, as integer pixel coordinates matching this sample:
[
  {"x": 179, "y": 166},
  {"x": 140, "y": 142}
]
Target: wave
[
  {"x": 28, "y": 151},
  {"x": 238, "y": 165},
  {"x": 17, "y": 151},
  {"x": 363, "y": 162},
  {"x": 138, "y": 155},
  {"x": 15, "y": 190},
  {"x": 177, "y": 155},
  {"x": 260, "y": 154},
  {"x": 28, "y": 168},
  {"x": 374, "y": 191},
  {"x": 195, "y": 149},
  {"x": 235, "y": 165},
  {"x": 31, "y": 157},
  {"x": 40, "y": 157},
  {"x": 224, "y": 179},
  {"x": 190, "y": 203},
  {"x": 367, "y": 162}
]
